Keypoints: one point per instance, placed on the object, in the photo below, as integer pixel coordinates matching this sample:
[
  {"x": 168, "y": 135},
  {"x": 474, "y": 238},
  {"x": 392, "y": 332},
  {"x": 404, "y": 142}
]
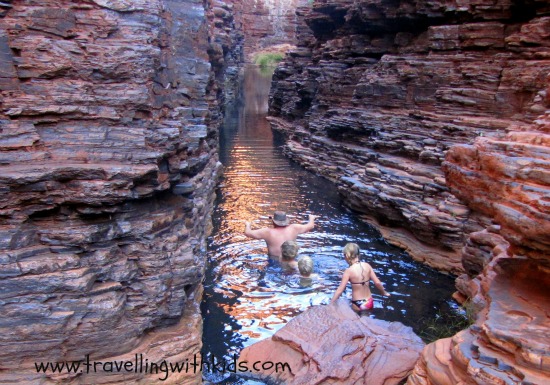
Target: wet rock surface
[
  {"x": 334, "y": 345},
  {"x": 377, "y": 92},
  {"x": 109, "y": 115}
]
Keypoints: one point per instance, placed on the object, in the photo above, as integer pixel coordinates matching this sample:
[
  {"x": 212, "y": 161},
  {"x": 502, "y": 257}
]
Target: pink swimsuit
[{"x": 364, "y": 304}]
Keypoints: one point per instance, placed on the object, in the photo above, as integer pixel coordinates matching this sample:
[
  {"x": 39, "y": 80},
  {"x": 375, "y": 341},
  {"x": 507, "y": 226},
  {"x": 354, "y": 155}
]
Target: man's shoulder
[{"x": 294, "y": 226}]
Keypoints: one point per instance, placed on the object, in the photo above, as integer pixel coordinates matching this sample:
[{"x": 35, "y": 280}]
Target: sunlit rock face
[
  {"x": 108, "y": 133},
  {"x": 377, "y": 92}
]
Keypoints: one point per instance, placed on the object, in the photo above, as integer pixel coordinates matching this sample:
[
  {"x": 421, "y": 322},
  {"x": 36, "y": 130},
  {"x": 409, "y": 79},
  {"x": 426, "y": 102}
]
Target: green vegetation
[
  {"x": 447, "y": 325},
  {"x": 268, "y": 59}
]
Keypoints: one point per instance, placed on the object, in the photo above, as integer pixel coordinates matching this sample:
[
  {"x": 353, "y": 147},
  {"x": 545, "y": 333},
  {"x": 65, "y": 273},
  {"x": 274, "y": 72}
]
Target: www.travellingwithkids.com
[{"x": 163, "y": 368}]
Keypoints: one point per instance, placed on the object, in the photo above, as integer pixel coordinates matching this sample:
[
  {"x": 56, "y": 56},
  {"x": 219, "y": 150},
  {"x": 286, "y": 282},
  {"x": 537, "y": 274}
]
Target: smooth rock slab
[{"x": 332, "y": 344}]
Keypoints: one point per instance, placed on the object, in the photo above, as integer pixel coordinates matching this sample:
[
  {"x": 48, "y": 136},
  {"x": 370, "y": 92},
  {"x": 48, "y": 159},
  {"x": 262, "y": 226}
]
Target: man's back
[{"x": 276, "y": 236}]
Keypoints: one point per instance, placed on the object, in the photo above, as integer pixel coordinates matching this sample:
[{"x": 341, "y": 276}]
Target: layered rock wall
[
  {"x": 507, "y": 266},
  {"x": 432, "y": 118},
  {"x": 109, "y": 113},
  {"x": 378, "y": 91}
]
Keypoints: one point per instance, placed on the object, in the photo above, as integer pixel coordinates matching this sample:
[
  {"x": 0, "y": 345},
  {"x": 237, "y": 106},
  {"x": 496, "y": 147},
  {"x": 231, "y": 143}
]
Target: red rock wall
[
  {"x": 108, "y": 159},
  {"x": 377, "y": 92},
  {"x": 506, "y": 177},
  {"x": 432, "y": 118}
]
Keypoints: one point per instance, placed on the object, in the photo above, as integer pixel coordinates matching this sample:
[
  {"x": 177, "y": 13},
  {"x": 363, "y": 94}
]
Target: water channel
[{"x": 248, "y": 296}]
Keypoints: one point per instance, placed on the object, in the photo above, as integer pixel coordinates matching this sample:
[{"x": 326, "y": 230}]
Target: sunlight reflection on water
[{"x": 248, "y": 296}]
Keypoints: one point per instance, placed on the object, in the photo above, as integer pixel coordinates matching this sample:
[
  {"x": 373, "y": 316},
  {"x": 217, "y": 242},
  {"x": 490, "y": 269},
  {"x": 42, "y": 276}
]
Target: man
[{"x": 282, "y": 231}]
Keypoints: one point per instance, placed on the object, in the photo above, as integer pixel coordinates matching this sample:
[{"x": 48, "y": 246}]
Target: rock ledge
[{"x": 332, "y": 344}]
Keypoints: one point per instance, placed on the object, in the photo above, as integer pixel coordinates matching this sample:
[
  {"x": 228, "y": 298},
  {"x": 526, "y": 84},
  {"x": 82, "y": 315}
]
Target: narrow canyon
[{"x": 430, "y": 117}]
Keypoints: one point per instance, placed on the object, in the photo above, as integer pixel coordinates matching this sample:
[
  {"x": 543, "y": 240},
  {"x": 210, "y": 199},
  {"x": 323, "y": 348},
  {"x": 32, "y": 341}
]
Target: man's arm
[
  {"x": 300, "y": 229},
  {"x": 256, "y": 234}
]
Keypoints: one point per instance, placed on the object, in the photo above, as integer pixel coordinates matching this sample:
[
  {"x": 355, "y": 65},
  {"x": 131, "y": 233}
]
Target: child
[
  {"x": 289, "y": 251},
  {"x": 305, "y": 266},
  {"x": 359, "y": 274}
]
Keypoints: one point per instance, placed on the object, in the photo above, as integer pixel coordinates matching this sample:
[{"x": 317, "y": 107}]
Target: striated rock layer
[
  {"x": 377, "y": 92},
  {"x": 508, "y": 268},
  {"x": 108, "y": 135},
  {"x": 334, "y": 345}
]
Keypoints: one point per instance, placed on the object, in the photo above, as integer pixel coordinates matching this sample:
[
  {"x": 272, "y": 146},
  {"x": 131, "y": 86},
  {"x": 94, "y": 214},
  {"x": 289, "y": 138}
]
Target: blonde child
[{"x": 359, "y": 274}]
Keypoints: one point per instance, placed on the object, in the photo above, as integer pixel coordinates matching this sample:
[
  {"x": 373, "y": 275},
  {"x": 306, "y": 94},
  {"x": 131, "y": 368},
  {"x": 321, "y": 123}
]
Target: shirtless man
[{"x": 282, "y": 231}]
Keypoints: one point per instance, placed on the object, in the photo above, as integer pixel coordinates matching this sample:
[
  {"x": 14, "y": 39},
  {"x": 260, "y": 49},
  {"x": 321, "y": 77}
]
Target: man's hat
[{"x": 280, "y": 219}]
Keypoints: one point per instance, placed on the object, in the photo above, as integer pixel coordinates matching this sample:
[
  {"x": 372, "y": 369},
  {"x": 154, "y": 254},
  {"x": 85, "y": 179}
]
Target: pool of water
[{"x": 247, "y": 295}]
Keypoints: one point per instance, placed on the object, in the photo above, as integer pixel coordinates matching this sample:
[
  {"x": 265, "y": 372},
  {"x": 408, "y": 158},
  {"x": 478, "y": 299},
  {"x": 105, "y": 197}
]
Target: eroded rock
[
  {"x": 507, "y": 344},
  {"x": 507, "y": 265},
  {"x": 333, "y": 345}
]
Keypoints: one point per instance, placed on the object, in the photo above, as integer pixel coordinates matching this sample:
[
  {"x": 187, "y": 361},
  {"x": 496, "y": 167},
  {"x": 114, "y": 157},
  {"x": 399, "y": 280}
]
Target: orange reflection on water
[
  {"x": 253, "y": 184},
  {"x": 256, "y": 182},
  {"x": 248, "y": 296}
]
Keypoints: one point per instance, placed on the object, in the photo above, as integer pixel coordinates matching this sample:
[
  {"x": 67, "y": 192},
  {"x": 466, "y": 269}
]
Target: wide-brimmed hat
[{"x": 280, "y": 219}]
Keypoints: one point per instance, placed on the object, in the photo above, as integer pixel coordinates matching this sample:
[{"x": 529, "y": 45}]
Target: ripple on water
[{"x": 248, "y": 296}]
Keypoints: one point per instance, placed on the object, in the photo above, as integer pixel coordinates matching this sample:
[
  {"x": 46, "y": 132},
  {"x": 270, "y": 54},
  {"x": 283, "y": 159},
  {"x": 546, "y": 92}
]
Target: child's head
[
  {"x": 351, "y": 251},
  {"x": 289, "y": 250},
  {"x": 305, "y": 265}
]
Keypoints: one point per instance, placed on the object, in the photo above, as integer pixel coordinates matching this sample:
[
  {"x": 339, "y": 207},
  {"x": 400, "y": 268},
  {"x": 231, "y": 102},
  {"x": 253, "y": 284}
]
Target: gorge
[{"x": 430, "y": 116}]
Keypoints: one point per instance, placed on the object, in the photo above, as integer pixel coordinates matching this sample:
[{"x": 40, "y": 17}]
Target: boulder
[{"x": 331, "y": 344}]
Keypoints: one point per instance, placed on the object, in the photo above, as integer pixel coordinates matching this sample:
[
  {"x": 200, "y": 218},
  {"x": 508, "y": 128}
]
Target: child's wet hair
[
  {"x": 351, "y": 251},
  {"x": 289, "y": 250},
  {"x": 305, "y": 265}
]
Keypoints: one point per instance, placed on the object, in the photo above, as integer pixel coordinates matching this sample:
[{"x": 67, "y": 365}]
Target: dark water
[{"x": 248, "y": 297}]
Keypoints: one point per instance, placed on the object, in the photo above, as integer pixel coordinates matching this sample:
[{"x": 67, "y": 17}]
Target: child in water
[
  {"x": 359, "y": 274},
  {"x": 305, "y": 266},
  {"x": 289, "y": 251}
]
